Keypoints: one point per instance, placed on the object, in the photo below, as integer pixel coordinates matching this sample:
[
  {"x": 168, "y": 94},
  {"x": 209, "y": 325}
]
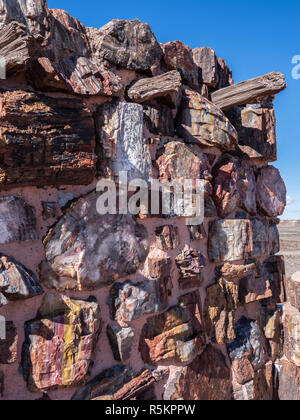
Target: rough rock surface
[
  {"x": 258, "y": 389},
  {"x": 121, "y": 140},
  {"x": 158, "y": 119},
  {"x": 292, "y": 335},
  {"x": 121, "y": 340},
  {"x": 271, "y": 192},
  {"x": 289, "y": 382},
  {"x": 207, "y": 62},
  {"x": 130, "y": 301},
  {"x": 9, "y": 345},
  {"x": 167, "y": 237},
  {"x": 176, "y": 335},
  {"x": 76, "y": 258},
  {"x": 128, "y": 44},
  {"x": 59, "y": 344},
  {"x": 202, "y": 123},
  {"x": 207, "y": 378},
  {"x": 190, "y": 264},
  {"x": 293, "y": 291},
  {"x": 230, "y": 240},
  {"x": 17, "y": 220},
  {"x": 45, "y": 141},
  {"x": 16, "y": 281}
]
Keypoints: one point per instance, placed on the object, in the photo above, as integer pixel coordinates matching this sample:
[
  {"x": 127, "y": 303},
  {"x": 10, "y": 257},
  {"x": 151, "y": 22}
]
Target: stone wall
[{"x": 135, "y": 307}]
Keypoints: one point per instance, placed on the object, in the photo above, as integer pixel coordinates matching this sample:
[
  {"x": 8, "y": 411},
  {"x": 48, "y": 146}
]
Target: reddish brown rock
[
  {"x": 207, "y": 63},
  {"x": 190, "y": 264},
  {"x": 230, "y": 240},
  {"x": 271, "y": 192},
  {"x": 179, "y": 161},
  {"x": 130, "y": 301},
  {"x": 231, "y": 272},
  {"x": 167, "y": 237},
  {"x": 254, "y": 288},
  {"x": 289, "y": 381},
  {"x": 118, "y": 383},
  {"x": 53, "y": 140},
  {"x": 202, "y": 123},
  {"x": 128, "y": 44},
  {"x": 234, "y": 186},
  {"x": 220, "y": 306},
  {"x": 59, "y": 344},
  {"x": 176, "y": 335},
  {"x": 250, "y": 344},
  {"x": 197, "y": 232},
  {"x": 178, "y": 56},
  {"x": 159, "y": 119},
  {"x": 293, "y": 291},
  {"x": 258, "y": 389},
  {"x": 159, "y": 268},
  {"x": 85, "y": 250},
  {"x": 273, "y": 270},
  {"x": 207, "y": 378},
  {"x": 9, "y": 346}
]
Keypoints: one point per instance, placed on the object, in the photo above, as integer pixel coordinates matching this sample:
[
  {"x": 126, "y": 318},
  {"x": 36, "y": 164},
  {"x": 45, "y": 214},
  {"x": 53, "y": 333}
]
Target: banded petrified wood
[{"x": 249, "y": 91}]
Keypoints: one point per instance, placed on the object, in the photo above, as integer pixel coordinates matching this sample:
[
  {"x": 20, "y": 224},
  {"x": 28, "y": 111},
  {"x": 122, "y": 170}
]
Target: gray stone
[{"x": 121, "y": 340}]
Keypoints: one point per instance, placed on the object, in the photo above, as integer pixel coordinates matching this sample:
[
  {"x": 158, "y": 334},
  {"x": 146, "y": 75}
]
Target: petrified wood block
[
  {"x": 59, "y": 344},
  {"x": 271, "y": 192},
  {"x": 207, "y": 63},
  {"x": 45, "y": 141},
  {"x": 9, "y": 345},
  {"x": 202, "y": 123},
  {"x": 292, "y": 334}
]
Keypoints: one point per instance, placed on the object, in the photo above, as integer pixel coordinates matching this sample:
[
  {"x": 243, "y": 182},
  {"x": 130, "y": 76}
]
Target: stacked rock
[{"x": 178, "y": 311}]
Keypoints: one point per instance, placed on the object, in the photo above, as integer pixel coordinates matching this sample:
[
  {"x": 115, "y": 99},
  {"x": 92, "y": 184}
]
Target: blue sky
[{"x": 254, "y": 38}]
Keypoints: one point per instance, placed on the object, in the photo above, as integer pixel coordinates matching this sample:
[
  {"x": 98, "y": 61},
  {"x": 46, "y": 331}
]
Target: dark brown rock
[
  {"x": 167, "y": 237},
  {"x": 207, "y": 378},
  {"x": 202, "y": 123},
  {"x": 178, "y": 56},
  {"x": 159, "y": 120},
  {"x": 225, "y": 74},
  {"x": 190, "y": 264},
  {"x": 273, "y": 270},
  {"x": 128, "y": 44},
  {"x": 49, "y": 210},
  {"x": 120, "y": 340},
  {"x": 159, "y": 268},
  {"x": 207, "y": 63},
  {"x": 9, "y": 346},
  {"x": 176, "y": 335},
  {"x": 258, "y": 389},
  {"x": 197, "y": 232},
  {"x": 17, "y": 220},
  {"x": 52, "y": 140},
  {"x": 166, "y": 87},
  {"x": 121, "y": 250},
  {"x": 271, "y": 192}
]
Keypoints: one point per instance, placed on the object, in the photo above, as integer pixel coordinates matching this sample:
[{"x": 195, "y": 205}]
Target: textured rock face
[
  {"x": 130, "y": 301},
  {"x": 230, "y": 240},
  {"x": 59, "y": 344},
  {"x": 122, "y": 145},
  {"x": 76, "y": 258},
  {"x": 292, "y": 335},
  {"x": 16, "y": 281},
  {"x": 206, "y": 379},
  {"x": 259, "y": 389},
  {"x": 158, "y": 119},
  {"x": 256, "y": 126},
  {"x": 207, "y": 62},
  {"x": 167, "y": 237},
  {"x": 118, "y": 383},
  {"x": 190, "y": 264},
  {"x": 271, "y": 192},
  {"x": 234, "y": 186},
  {"x": 9, "y": 345},
  {"x": 121, "y": 341},
  {"x": 293, "y": 291},
  {"x": 289, "y": 382},
  {"x": 128, "y": 44},
  {"x": 52, "y": 140},
  {"x": 17, "y": 220},
  {"x": 248, "y": 351},
  {"x": 176, "y": 335},
  {"x": 179, "y": 161},
  {"x": 178, "y": 56},
  {"x": 202, "y": 123}
]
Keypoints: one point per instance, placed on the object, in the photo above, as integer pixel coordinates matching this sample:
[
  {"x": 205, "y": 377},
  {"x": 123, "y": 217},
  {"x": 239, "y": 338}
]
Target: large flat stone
[
  {"x": 271, "y": 192},
  {"x": 85, "y": 250}
]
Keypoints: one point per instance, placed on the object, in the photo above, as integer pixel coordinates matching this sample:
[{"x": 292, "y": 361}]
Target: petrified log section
[{"x": 188, "y": 312}]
